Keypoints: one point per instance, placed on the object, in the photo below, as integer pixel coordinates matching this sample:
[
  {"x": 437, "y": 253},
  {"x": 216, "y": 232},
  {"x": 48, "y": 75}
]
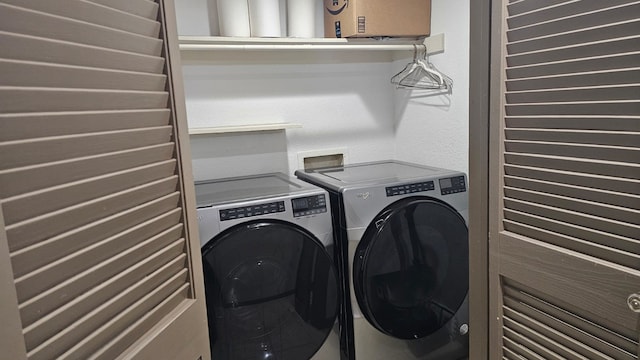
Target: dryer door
[
  {"x": 272, "y": 292},
  {"x": 411, "y": 267}
]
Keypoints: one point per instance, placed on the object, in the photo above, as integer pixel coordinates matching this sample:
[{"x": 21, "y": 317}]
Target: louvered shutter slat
[
  {"x": 37, "y": 203},
  {"x": 612, "y": 138},
  {"x": 574, "y": 217},
  {"x": 29, "y": 152},
  {"x": 51, "y": 275},
  {"x": 126, "y": 337},
  {"x": 602, "y": 78},
  {"x": 615, "y": 198},
  {"x": 144, "y": 8},
  {"x": 95, "y": 14},
  {"x": 606, "y": 340},
  {"x": 95, "y": 186},
  {"x": 29, "y": 178},
  {"x": 108, "y": 277},
  {"x": 588, "y": 123},
  {"x": 588, "y": 20},
  {"x": 585, "y": 36},
  {"x": 539, "y": 13},
  {"x": 156, "y": 232},
  {"x": 20, "y": 20},
  {"x": 567, "y": 221},
  {"x": 597, "y": 209},
  {"x": 600, "y": 349},
  {"x": 595, "y": 49},
  {"x": 606, "y": 168},
  {"x": 518, "y": 346},
  {"x": 509, "y": 354},
  {"x": 607, "y": 183},
  {"x": 82, "y": 309},
  {"x": 568, "y": 150},
  {"x": 584, "y": 235},
  {"x": 540, "y": 343},
  {"x": 20, "y": 47},
  {"x": 568, "y": 66},
  {"x": 59, "y": 76},
  {"x": 13, "y": 99},
  {"x": 611, "y": 248},
  {"x": 34, "y": 125},
  {"x": 42, "y": 253},
  {"x": 42, "y": 227},
  {"x": 573, "y": 66},
  {"x": 82, "y": 345}
]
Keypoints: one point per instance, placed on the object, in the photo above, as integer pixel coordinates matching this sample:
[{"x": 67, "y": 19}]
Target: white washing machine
[
  {"x": 271, "y": 284},
  {"x": 403, "y": 243}
]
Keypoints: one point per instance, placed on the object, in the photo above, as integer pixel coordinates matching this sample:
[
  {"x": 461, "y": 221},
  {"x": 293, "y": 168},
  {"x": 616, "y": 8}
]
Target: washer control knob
[{"x": 634, "y": 302}]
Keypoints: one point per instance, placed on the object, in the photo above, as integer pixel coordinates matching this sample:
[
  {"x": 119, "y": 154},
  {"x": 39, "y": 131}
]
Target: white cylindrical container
[
  {"x": 264, "y": 18},
  {"x": 233, "y": 16},
  {"x": 301, "y": 18}
]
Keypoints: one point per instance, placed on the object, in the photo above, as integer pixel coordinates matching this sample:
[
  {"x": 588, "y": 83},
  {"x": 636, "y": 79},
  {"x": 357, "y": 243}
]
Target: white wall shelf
[
  {"x": 434, "y": 44},
  {"x": 242, "y": 128}
]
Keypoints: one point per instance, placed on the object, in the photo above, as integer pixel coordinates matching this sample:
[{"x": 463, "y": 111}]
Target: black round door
[
  {"x": 271, "y": 290},
  {"x": 411, "y": 267}
]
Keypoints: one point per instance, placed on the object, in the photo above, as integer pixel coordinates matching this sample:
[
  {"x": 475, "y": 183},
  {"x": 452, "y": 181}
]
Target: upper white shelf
[{"x": 433, "y": 43}]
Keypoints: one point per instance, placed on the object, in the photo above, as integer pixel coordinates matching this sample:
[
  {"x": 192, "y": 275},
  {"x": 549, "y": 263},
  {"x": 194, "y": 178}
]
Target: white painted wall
[
  {"x": 348, "y": 103},
  {"x": 338, "y": 105},
  {"x": 434, "y": 129}
]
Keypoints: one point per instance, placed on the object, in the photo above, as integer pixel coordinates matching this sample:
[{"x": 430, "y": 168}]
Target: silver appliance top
[
  {"x": 215, "y": 192},
  {"x": 373, "y": 173}
]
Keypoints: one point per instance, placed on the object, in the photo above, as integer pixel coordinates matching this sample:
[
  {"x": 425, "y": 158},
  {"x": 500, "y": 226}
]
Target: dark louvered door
[
  {"x": 565, "y": 212},
  {"x": 99, "y": 249}
]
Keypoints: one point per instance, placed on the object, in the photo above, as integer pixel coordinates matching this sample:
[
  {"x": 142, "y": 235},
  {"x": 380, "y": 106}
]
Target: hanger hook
[
  {"x": 415, "y": 52},
  {"x": 425, "y": 51}
]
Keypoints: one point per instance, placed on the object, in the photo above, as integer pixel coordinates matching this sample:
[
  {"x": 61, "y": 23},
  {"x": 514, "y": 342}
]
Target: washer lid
[
  {"x": 373, "y": 173},
  {"x": 246, "y": 188}
]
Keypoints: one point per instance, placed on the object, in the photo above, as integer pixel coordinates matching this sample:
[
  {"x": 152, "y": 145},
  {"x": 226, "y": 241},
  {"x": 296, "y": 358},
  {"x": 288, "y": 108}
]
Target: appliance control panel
[
  {"x": 309, "y": 205},
  {"x": 409, "y": 188},
  {"x": 254, "y": 210},
  {"x": 452, "y": 185}
]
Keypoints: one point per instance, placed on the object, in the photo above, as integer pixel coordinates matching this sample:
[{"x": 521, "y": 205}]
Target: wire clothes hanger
[{"x": 421, "y": 74}]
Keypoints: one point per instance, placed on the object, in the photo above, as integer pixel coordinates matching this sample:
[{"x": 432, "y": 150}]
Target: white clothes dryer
[
  {"x": 403, "y": 243},
  {"x": 272, "y": 288}
]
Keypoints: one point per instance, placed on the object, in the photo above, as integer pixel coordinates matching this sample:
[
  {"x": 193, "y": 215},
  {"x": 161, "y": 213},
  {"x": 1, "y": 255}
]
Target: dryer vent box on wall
[{"x": 367, "y": 18}]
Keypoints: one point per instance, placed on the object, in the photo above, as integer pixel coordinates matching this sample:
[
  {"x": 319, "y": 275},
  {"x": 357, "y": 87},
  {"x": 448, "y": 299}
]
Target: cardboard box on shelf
[{"x": 372, "y": 18}]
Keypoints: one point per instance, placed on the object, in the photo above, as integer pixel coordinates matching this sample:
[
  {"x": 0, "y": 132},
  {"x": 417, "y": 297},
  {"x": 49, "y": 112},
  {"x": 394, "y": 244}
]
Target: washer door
[
  {"x": 411, "y": 267},
  {"x": 271, "y": 290}
]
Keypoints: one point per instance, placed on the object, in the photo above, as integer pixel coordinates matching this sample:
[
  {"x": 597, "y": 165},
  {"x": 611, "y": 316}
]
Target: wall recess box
[{"x": 314, "y": 159}]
